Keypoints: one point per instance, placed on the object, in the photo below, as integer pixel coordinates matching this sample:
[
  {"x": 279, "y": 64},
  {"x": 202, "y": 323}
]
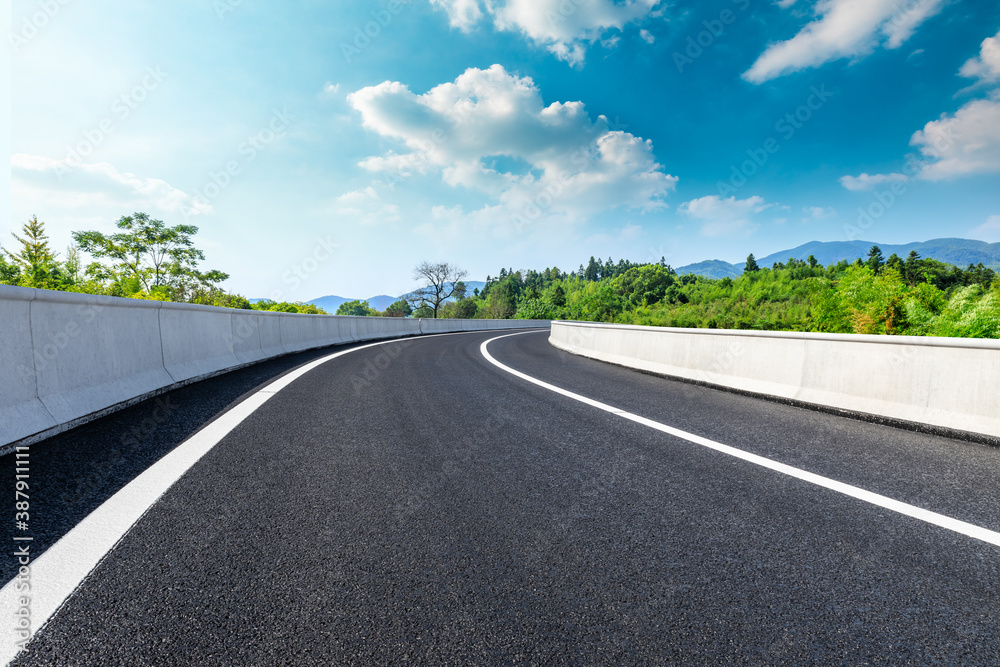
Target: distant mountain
[
  {"x": 712, "y": 268},
  {"x": 382, "y": 301},
  {"x": 960, "y": 252},
  {"x": 332, "y": 302},
  {"x": 471, "y": 285},
  {"x": 329, "y": 303}
]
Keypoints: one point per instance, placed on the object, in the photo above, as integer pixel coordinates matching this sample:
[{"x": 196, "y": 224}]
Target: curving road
[{"x": 414, "y": 502}]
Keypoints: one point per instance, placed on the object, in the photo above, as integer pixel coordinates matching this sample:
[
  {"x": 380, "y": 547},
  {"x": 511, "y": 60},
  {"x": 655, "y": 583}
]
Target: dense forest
[
  {"x": 911, "y": 296},
  {"x": 878, "y": 295}
]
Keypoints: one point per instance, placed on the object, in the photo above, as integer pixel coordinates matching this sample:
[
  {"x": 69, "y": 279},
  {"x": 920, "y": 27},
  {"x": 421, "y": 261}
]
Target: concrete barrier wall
[
  {"x": 68, "y": 358},
  {"x": 949, "y": 383}
]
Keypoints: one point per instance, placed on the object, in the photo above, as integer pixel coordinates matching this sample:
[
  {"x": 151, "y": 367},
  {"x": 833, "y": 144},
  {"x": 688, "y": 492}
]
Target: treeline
[
  {"x": 145, "y": 259},
  {"x": 911, "y": 296},
  {"x": 920, "y": 296}
]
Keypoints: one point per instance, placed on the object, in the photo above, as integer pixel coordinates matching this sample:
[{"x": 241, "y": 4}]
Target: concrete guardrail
[
  {"x": 948, "y": 384},
  {"x": 68, "y": 358}
]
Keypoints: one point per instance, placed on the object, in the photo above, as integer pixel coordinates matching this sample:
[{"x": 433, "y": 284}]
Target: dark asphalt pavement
[{"x": 433, "y": 509}]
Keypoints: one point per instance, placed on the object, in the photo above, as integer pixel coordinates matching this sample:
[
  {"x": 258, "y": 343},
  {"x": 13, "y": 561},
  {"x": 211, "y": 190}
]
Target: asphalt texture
[{"x": 412, "y": 503}]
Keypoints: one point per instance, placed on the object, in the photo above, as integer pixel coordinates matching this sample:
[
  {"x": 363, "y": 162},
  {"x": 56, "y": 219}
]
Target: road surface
[{"x": 414, "y": 502}]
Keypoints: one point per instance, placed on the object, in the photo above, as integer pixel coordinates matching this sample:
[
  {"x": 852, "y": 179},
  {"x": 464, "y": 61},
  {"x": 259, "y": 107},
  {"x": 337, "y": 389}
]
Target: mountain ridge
[{"x": 957, "y": 251}]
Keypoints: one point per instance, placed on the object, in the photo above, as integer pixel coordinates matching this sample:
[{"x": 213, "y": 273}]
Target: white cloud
[
  {"x": 989, "y": 231},
  {"x": 865, "y": 181},
  {"x": 647, "y": 36},
  {"x": 818, "y": 213},
  {"x": 331, "y": 88},
  {"x": 985, "y": 67},
  {"x": 725, "y": 217},
  {"x": 82, "y": 184},
  {"x": 405, "y": 164},
  {"x": 843, "y": 29},
  {"x": 611, "y": 42},
  {"x": 365, "y": 207},
  {"x": 564, "y": 27},
  {"x": 967, "y": 142},
  {"x": 489, "y": 132},
  {"x": 462, "y": 14}
]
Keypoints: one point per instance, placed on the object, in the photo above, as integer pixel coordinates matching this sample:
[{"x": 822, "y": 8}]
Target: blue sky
[{"x": 329, "y": 147}]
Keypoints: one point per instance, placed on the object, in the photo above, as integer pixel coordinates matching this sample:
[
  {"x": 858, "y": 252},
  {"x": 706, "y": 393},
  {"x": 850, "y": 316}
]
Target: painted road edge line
[
  {"x": 61, "y": 570},
  {"x": 940, "y": 520}
]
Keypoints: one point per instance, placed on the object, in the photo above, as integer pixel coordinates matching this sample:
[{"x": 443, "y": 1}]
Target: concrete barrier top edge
[
  {"x": 13, "y": 293},
  {"x": 75, "y": 298},
  {"x": 16, "y": 293},
  {"x": 927, "y": 341}
]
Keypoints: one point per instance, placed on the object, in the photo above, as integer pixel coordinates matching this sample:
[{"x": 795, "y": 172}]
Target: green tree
[
  {"x": 462, "y": 309},
  {"x": 645, "y": 285},
  {"x": 9, "y": 273},
  {"x": 875, "y": 260},
  {"x": 357, "y": 308},
  {"x": 288, "y": 307},
  {"x": 874, "y": 303},
  {"x": 442, "y": 281},
  {"x": 221, "y": 299},
  {"x": 399, "y": 308},
  {"x": 73, "y": 267},
  {"x": 533, "y": 309},
  {"x": 157, "y": 255},
  {"x": 558, "y": 296},
  {"x": 971, "y": 312},
  {"x": 502, "y": 299},
  {"x": 36, "y": 263},
  {"x": 423, "y": 312},
  {"x": 751, "y": 264}
]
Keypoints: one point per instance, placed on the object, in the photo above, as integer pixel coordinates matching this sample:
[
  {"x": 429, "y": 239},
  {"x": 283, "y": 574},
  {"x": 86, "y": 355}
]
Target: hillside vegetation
[{"x": 912, "y": 296}]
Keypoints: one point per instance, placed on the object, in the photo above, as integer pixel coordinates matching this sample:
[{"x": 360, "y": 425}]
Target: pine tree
[
  {"x": 875, "y": 259},
  {"x": 36, "y": 261},
  {"x": 559, "y": 296}
]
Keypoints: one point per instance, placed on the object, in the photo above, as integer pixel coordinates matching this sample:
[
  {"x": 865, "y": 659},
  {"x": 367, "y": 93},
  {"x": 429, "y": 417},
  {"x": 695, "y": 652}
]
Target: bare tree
[{"x": 441, "y": 282}]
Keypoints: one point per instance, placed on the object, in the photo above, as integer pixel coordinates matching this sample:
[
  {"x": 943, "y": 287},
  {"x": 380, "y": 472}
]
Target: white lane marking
[
  {"x": 971, "y": 530},
  {"x": 57, "y": 573}
]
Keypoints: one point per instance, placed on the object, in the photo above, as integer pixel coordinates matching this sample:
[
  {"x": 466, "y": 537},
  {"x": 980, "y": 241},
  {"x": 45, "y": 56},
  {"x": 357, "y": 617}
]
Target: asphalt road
[{"x": 424, "y": 506}]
